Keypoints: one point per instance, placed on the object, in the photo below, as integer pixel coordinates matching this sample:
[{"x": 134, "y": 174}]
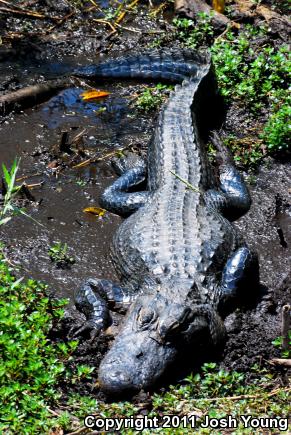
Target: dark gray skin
[{"x": 181, "y": 263}]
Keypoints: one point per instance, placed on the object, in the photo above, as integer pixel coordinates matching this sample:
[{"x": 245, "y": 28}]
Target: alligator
[{"x": 181, "y": 263}]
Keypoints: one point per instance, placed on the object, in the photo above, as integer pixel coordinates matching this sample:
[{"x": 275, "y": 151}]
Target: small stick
[
  {"x": 94, "y": 4},
  {"x": 79, "y": 136},
  {"x": 28, "y": 13},
  {"x": 107, "y": 23},
  {"x": 8, "y": 4},
  {"x": 61, "y": 21},
  {"x": 81, "y": 430},
  {"x": 25, "y": 177},
  {"x": 281, "y": 362},
  {"x": 98, "y": 159},
  {"x": 129, "y": 29},
  {"x": 157, "y": 10},
  {"x": 285, "y": 326},
  {"x": 30, "y": 95},
  {"x": 246, "y": 396},
  {"x": 185, "y": 182},
  {"x": 56, "y": 414}
]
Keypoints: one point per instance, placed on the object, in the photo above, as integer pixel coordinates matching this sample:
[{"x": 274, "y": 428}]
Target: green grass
[{"x": 9, "y": 208}]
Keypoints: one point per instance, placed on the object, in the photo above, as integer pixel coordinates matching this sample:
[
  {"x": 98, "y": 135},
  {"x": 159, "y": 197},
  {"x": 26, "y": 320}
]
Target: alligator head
[{"x": 154, "y": 330}]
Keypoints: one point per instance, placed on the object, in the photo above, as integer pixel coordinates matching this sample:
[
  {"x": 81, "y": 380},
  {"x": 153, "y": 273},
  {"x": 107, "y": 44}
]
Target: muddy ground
[{"x": 32, "y": 51}]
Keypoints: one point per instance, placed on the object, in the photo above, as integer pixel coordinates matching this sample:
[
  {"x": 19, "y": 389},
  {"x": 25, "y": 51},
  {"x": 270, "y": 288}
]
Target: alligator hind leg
[
  {"x": 240, "y": 279},
  {"x": 118, "y": 198},
  {"x": 235, "y": 200},
  {"x": 94, "y": 299}
]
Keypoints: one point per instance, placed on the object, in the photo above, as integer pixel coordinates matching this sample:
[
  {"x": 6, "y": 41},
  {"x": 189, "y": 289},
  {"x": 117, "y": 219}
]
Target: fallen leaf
[
  {"x": 97, "y": 211},
  {"x": 93, "y": 94},
  {"x": 218, "y": 5}
]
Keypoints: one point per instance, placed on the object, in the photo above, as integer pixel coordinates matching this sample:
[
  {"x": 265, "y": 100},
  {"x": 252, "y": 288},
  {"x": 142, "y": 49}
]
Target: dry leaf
[
  {"x": 218, "y": 5},
  {"x": 97, "y": 211},
  {"x": 93, "y": 94}
]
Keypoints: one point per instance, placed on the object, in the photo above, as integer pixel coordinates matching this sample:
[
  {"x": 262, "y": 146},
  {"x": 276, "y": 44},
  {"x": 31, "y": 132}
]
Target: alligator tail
[{"x": 170, "y": 65}]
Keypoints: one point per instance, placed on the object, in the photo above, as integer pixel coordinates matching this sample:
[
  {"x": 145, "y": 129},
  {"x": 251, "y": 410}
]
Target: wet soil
[{"x": 105, "y": 126}]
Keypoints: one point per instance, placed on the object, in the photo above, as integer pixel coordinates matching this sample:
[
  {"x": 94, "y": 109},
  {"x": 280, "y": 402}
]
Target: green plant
[
  {"x": 58, "y": 254},
  {"x": 151, "y": 98},
  {"x": 278, "y": 343},
  {"x": 9, "y": 209},
  {"x": 81, "y": 183},
  {"x": 83, "y": 372},
  {"x": 249, "y": 72},
  {"x": 276, "y": 133},
  {"x": 63, "y": 421},
  {"x": 213, "y": 391},
  {"x": 247, "y": 151},
  {"x": 257, "y": 77},
  {"x": 195, "y": 34},
  {"x": 30, "y": 365}
]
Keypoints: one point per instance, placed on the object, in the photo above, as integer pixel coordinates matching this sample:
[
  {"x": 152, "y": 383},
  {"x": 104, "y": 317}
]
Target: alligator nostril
[
  {"x": 139, "y": 355},
  {"x": 120, "y": 376}
]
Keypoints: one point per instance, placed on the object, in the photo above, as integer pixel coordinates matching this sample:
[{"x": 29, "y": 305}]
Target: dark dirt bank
[{"x": 32, "y": 51}]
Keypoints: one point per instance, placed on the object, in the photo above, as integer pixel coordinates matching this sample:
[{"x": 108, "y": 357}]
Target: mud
[
  {"x": 267, "y": 230},
  {"x": 105, "y": 126}
]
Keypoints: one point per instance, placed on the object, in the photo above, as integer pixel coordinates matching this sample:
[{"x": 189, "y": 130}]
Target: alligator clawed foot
[{"x": 87, "y": 327}]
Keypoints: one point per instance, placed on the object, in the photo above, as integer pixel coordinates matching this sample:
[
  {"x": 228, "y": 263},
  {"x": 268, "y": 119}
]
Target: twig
[
  {"x": 82, "y": 429},
  {"x": 78, "y": 136},
  {"x": 129, "y": 29},
  {"x": 8, "y": 4},
  {"x": 157, "y": 10},
  {"x": 94, "y": 4},
  {"x": 190, "y": 186},
  {"x": 25, "y": 177},
  {"x": 120, "y": 17},
  {"x": 285, "y": 326},
  {"x": 107, "y": 23},
  {"x": 98, "y": 159},
  {"x": 281, "y": 362},
  {"x": 31, "y": 95},
  {"x": 61, "y": 21},
  {"x": 56, "y": 414},
  {"x": 28, "y": 13},
  {"x": 31, "y": 186},
  {"x": 246, "y": 396},
  {"x": 231, "y": 25}
]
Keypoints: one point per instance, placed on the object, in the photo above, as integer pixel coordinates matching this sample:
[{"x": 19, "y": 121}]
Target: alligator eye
[
  {"x": 145, "y": 316},
  {"x": 180, "y": 325}
]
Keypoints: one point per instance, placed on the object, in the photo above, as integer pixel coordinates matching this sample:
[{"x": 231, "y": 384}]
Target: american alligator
[{"x": 181, "y": 263}]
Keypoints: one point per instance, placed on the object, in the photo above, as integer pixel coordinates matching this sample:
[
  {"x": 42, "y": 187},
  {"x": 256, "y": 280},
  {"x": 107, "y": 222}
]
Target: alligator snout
[
  {"x": 134, "y": 362},
  {"x": 115, "y": 382}
]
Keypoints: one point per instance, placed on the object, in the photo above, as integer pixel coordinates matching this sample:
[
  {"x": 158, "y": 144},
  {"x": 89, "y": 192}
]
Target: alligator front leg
[
  {"x": 240, "y": 279},
  {"x": 94, "y": 299},
  {"x": 118, "y": 199},
  {"x": 233, "y": 200}
]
